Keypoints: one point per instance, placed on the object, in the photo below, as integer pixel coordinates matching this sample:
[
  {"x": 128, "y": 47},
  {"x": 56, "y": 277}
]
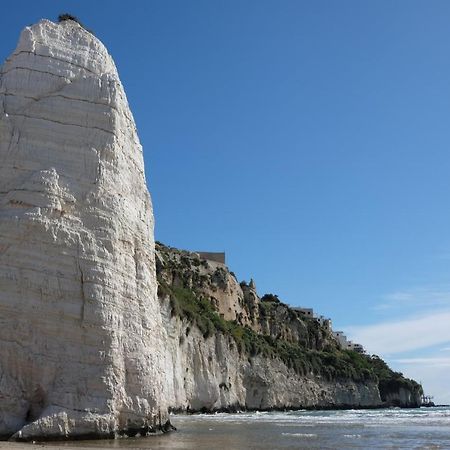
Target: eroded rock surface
[
  {"x": 81, "y": 340},
  {"x": 210, "y": 374},
  {"x": 230, "y": 349}
]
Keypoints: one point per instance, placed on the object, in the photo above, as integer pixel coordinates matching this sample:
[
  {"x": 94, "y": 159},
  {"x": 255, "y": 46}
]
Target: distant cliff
[{"x": 230, "y": 349}]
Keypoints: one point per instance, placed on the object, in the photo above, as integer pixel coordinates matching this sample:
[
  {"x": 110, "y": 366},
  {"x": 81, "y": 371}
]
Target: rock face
[
  {"x": 81, "y": 335},
  {"x": 212, "y": 374},
  {"x": 230, "y": 349}
]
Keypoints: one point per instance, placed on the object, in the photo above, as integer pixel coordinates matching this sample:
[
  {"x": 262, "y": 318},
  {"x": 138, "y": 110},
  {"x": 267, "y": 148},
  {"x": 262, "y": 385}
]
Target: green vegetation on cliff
[
  {"x": 189, "y": 302},
  {"x": 390, "y": 382},
  {"x": 332, "y": 364}
]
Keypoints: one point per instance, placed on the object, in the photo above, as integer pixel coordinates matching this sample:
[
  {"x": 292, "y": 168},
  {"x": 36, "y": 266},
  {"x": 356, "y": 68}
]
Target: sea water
[{"x": 423, "y": 428}]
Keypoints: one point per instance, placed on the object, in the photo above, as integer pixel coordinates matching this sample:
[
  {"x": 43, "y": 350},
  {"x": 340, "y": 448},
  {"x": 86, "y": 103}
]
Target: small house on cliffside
[{"x": 218, "y": 257}]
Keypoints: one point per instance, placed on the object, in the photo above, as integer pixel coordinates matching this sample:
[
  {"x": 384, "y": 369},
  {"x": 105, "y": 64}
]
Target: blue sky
[{"x": 307, "y": 139}]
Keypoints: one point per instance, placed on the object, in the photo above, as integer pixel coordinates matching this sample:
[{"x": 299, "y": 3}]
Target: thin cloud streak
[
  {"x": 430, "y": 362},
  {"x": 434, "y": 378},
  {"x": 424, "y": 297},
  {"x": 413, "y": 333}
]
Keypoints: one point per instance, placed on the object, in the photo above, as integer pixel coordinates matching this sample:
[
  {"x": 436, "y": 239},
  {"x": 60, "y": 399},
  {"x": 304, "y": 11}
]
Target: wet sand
[
  {"x": 31, "y": 446},
  {"x": 155, "y": 442}
]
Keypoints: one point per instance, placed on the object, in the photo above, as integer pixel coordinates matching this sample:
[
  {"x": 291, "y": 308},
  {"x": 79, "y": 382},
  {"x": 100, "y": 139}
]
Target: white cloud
[
  {"x": 413, "y": 333},
  {"x": 431, "y": 372},
  {"x": 427, "y": 361},
  {"x": 415, "y": 340},
  {"x": 423, "y": 298}
]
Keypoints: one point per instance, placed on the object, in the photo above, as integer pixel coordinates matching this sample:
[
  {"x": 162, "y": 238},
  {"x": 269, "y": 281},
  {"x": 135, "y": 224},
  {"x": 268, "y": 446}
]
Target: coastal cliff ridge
[{"x": 102, "y": 332}]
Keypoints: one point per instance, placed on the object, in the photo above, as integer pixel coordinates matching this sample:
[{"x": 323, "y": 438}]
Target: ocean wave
[
  {"x": 364, "y": 418},
  {"x": 294, "y": 424},
  {"x": 307, "y": 435}
]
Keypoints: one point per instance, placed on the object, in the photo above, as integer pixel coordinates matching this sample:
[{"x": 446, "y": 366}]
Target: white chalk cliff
[
  {"x": 81, "y": 335},
  {"x": 230, "y": 349}
]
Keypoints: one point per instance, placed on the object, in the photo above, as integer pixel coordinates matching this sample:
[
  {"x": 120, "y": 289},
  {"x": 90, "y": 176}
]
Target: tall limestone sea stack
[{"x": 81, "y": 335}]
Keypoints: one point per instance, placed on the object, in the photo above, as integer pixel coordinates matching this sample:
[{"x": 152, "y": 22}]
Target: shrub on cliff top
[
  {"x": 66, "y": 16},
  {"x": 270, "y": 298}
]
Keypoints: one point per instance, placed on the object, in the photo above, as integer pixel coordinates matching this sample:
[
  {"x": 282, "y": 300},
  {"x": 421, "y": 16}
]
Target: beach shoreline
[{"x": 284, "y": 430}]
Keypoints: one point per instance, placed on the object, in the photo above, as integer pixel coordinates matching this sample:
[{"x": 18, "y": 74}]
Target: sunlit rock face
[{"x": 81, "y": 341}]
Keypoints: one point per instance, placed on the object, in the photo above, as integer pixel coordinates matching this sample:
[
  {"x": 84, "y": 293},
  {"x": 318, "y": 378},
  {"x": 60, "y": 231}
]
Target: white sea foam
[
  {"x": 316, "y": 430},
  {"x": 368, "y": 418},
  {"x": 293, "y": 424},
  {"x": 307, "y": 435}
]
